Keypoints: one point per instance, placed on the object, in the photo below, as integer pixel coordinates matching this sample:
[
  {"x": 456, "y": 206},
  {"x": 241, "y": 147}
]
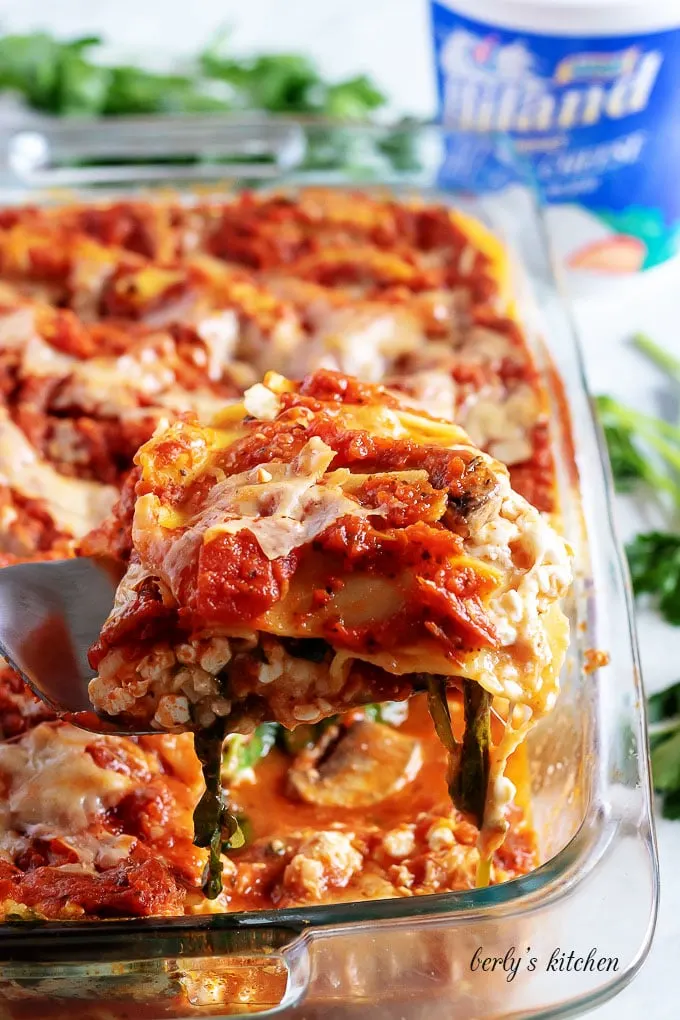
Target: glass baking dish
[{"x": 566, "y": 936}]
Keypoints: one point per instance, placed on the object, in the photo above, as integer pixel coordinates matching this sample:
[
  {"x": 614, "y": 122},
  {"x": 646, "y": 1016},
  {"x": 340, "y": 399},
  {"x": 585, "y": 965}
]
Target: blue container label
[{"x": 595, "y": 123}]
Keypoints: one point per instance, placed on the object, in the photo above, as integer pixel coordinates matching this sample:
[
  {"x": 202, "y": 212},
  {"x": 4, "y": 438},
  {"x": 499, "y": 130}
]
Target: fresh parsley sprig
[
  {"x": 645, "y": 453},
  {"x": 654, "y": 562},
  {"x": 68, "y": 79},
  {"x": 628, "y": 433}
]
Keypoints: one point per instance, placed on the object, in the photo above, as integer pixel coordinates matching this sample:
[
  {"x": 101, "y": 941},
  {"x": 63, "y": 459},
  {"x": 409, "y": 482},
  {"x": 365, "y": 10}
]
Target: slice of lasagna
[{"x": 323, "y": 545}]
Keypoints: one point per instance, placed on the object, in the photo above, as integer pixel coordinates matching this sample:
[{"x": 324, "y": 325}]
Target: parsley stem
[
  {"x": 655, "y": 479},
  {"x": 668, "y": 363},
  {"x": 656, "y": 431},
  {"x": 670, "y": 453},
  {"x": 651, "y": 425}
]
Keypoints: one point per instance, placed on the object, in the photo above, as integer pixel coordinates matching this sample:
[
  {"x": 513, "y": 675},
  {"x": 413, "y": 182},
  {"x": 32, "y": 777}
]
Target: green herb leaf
[
  {"x": 438, "y": 705},
  {"x": 260, "y": 744},
  {"x": 662, "y": 358},
  {"x": 303, "y": 736},
  {"x": 468, "y": 770},
  {"x": 83, "y": 86},
  {"x": 83, "y": 42},
  {"x": 666, "y": 764},
  {"x": 654, "y": 560},
  {"x": 625, "y": 430},
  {"x": 664, "y": 739},
  {"x": 244, "y": 752},
  {"x": 215, "y": 827},
  {"x": 60, "y": 78},
  {"x": 30, "y": 64},
  {"x": 390, "y": 713},
  {"x": 353, "y": 99},
  {"x": 671, "y": 806},
  {"x": 634, "y": 441},
  {"x": 629, "y": 467},
  {"x": 400, "y": 148},
  {"x": 473, "y": 774},
  {"x": 280, "y": 82},
  {"x": 134, "y": 91},
  {"x": 664, "y": 704}
]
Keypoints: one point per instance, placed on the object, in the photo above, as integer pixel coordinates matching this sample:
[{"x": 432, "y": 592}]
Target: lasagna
[
  {"x": 131, "y": 326},
  {"x": 320, "y": 546}
]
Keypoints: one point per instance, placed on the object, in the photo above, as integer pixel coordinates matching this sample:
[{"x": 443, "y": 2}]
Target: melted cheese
[
  {"x": 52, "y": 786},
  {"x": 364, "y": 342},
  {"x": 76, "y": 506},
  {"x": 16, "y": 327},
  {"x": 113, "y": 387},
  {"x": 203, "y": 402},
  {"x": 42, "y": 361},
  {"x": 219, "y": 333},
  {"x": 282, "y": 505}
]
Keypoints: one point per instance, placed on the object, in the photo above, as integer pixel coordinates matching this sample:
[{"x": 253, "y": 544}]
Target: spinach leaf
[
  {"x": 468, "y": 770},
  {"x": 390, "y": 713},
  {"x": 215, "y": 826},
  {"x": 244, "y": 752},
  {"x": 304, "y": 735},
  {"x": 473, "y": 774}
]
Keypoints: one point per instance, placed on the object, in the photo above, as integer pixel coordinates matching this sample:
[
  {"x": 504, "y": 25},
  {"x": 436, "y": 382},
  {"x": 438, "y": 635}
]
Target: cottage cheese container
[{"x": 588, "y": 93}]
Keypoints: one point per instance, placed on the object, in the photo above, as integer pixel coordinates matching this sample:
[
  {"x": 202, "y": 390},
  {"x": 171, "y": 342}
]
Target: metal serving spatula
[{"x": 50, "y": 614}]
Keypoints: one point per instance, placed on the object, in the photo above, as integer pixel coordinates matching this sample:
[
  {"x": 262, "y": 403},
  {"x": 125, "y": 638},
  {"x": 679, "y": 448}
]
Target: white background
[{"x": 389, "y": 39}]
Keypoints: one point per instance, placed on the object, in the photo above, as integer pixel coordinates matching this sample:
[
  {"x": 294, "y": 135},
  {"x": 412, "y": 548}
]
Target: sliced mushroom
[
  {"x": 367, "y": 764},
  {"x": 477, "y": 503}
]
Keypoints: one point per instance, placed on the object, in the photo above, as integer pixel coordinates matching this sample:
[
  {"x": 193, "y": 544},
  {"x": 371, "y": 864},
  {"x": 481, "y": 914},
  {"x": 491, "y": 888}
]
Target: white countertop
[{"x": 391, "y": 42}]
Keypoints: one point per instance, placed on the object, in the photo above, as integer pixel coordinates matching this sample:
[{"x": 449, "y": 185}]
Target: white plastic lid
[{"x": 578, "y": 18}]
